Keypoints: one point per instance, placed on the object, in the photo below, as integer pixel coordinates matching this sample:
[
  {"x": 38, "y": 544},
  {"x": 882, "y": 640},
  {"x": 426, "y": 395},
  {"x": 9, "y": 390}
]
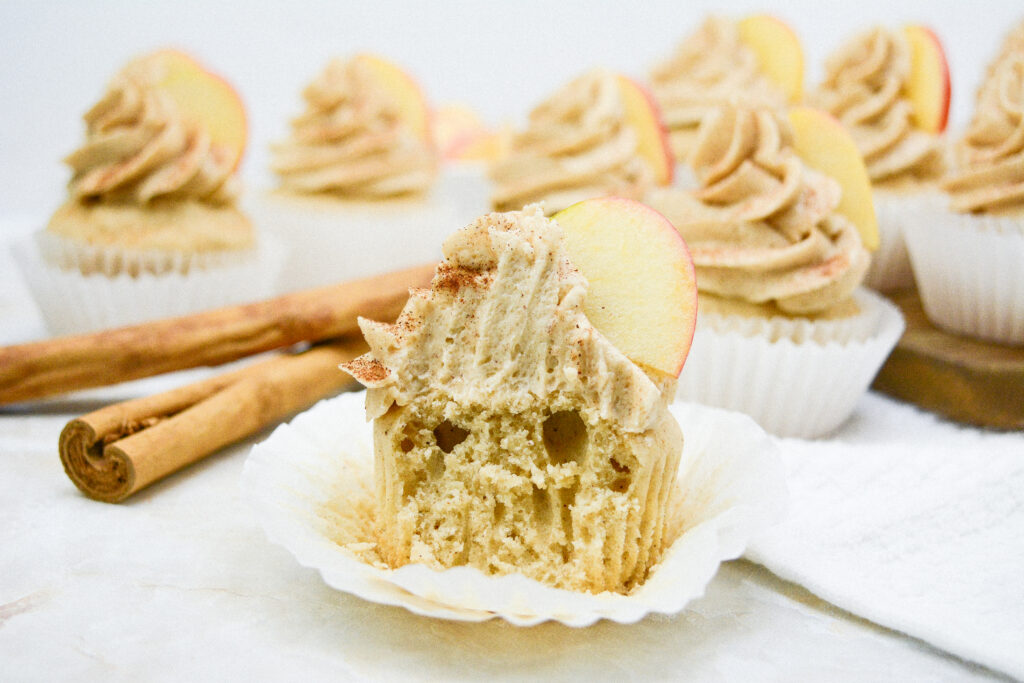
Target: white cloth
[{"x": 913, "y": 523}]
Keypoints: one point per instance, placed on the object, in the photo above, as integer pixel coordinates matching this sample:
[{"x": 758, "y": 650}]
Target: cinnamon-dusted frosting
[
  {"x": 762, "y": 227},
  {"x": 991, "y": 153},
  {"x": 578, "y": 145},
  {"x": 712, "y": 67},
  {"x": 352, "y": 140},
  {"x": 139, "y": 148},
  {"x": 509, "y": 434},
  {"x": 864, "y": 88}
]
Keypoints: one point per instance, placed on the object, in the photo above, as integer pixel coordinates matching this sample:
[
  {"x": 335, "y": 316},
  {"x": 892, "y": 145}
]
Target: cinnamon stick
[
  {"x": 40, "y": 369},
  {"x": 120, "y": 449}
]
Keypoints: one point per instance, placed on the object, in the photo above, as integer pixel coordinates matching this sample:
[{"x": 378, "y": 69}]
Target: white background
[{"x": 56, "y": 57}]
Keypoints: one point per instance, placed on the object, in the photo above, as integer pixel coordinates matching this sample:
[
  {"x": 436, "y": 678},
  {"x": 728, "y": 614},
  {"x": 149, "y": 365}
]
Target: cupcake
[
  {"x": 599, "y": 135},
  {"x": 757, "y": 62},
  {"x": 783, "y": 334},
  {"x": 871, "y": 85},
  {"x": 966, "y": 243},
  {"x": 357, "y": 177},
  {"x": 510, "y": 435},
  {"x": 151, "y": 227}
]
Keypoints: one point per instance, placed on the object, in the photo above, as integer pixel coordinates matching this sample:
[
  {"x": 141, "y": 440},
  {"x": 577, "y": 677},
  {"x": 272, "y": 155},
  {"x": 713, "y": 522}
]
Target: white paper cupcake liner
[
  {"x": 467, "y": 188},
  {"x": 969, "y": 270},
  {"x": 73, "y": 303},
  {"x": 795, "y": 388},
  {"x": 890, "y": 266},
  {"x": 330, "y": 241},
  {"x": 308, "y": 473}
]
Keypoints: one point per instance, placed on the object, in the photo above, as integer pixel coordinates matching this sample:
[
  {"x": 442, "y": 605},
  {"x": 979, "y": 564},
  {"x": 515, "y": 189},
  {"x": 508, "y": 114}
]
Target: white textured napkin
[{"x": 913, "y": 523}]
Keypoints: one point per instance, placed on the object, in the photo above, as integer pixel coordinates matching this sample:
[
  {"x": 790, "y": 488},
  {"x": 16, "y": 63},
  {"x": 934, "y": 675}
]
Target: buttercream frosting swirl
[
  {"x": 710, "y": 68},
  {"x": 139, "y": 147},
  {"x": 353, "y": 140},
  {"x": 864, "y": 87},
  {"x": 762, "y": 227},
  {"x": 991, "y": 153},
  {"x": 578, "y": 145}
]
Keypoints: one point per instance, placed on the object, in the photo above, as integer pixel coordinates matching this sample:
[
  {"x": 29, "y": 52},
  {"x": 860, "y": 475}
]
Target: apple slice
[
  {"x": 927, "y": 86},
  {"x": 405, "y": 91},
  {"x": 207, "y": 99},
  {"x": 644, "y": 116},
  {"x": 826, "y": 146},
  {"x": 778, "y": 52},
  {"x": 643, "y": 290}
]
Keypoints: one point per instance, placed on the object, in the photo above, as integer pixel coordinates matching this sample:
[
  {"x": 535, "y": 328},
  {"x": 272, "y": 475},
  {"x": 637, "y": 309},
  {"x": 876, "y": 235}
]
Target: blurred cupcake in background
[
  {"x": 755, "y": 62},
  {"x": 358, "y": 176},
  {"x": 784, "y": 333},
  {"x": 891, "y": 90},
  {"x": 599, "y": 135},
  {"x": 151, "y": 227},
  {"x": 966, "y": 243}
]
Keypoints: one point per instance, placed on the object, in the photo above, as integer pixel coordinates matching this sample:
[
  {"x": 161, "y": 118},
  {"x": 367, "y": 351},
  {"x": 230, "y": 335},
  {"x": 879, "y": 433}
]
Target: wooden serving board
[{"x": 969, "y": 381}]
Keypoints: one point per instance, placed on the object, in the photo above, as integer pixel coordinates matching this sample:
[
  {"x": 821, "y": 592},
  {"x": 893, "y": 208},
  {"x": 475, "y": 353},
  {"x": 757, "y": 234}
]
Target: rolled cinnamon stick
[
  {"x": 115, "y": 451},
  {"x": 40, "y": 369}
]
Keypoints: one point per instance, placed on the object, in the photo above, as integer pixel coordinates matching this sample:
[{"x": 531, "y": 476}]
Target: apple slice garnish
[
  {"x": 778, "y": 52},
  {"x": 206, "y": 99},
  {"x": 405, "y": 91},
  {"x": 826, "y": 146},
  {"x": 644, "y": 116},
  {"x": 927, "y": 86},
  {"x": 642, "y": 293}
]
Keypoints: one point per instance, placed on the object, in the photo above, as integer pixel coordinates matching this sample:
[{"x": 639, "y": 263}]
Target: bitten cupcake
[
  {"x": 967, "y": 243},
  {"x": 756, "y": 61},
  {"x": 891, "y": 91},
  {"x": 357, "y": 177},
  {"x": 784, "y": 334},
  {"x": 151, "y": 227},
  {"x": 599, "y": 135}
]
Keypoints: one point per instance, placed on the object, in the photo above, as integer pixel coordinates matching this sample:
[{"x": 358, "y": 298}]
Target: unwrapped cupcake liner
[
  {"x": 794, "y": 385},
  {"x": 890, "y": 266},
  {"x": 969, "y": 270},
  {"x": 311, "y": 482},
  {"x": 333, "y": 240},
  {"x": 166, "y": 285}
]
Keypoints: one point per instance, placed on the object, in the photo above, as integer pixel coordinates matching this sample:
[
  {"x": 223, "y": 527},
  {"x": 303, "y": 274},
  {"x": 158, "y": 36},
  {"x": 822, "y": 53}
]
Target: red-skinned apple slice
[
  {"x": 406, "y": 92},
  {"x": 928, "y": 87},
  {"x": 826, "y": 146},
  {"x": 207, "y": 99},
  {"x": 642, "y": 293},
  {"x": 778, "y": 52},
  {"x": 644, "y": 117}
]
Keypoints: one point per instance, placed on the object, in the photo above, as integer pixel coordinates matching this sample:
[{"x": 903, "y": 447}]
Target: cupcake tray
[{"x": 963, "y": 379}]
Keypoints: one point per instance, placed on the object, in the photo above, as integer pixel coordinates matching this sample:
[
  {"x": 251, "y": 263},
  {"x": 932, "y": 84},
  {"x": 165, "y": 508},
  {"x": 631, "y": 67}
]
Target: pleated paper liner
[
  {"x": 311, "y": 486},
  {"x": 80, "y": 288},
  {"x": 796, "y": 378}
]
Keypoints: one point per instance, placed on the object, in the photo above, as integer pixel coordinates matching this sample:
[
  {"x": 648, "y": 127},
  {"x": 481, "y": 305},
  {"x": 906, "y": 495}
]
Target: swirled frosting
[
  {"x": 138, "y": 147},
  {"x": 1013, "y": 44},
  {"x": 712, "y": 67},
  {"x": 991, "y": 153},
  {"x": 762, "y": 228},
  {"x": 864, "y": 88},
  {"x": 578, "y": 145},
  {"x": 352, "y": 140}
]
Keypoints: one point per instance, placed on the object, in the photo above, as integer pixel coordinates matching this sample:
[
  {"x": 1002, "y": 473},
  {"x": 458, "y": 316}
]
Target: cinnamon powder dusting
[{"x": 367, "y": 370}]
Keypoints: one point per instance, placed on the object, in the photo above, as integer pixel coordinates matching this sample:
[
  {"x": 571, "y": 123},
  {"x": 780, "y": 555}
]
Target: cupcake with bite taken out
[
  {"x": 784, "y": 333},
  {"x": 891, "y": 91},
  {"x": 357, "y": 177},
  {"x": 151, "y": 227}
]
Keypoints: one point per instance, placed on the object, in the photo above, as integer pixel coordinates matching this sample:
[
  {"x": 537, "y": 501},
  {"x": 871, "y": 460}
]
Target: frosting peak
[
  {"x": 864, "y": 88},
  {"x": 352, "y": 140},
  {"x": 578, "y": 145},
  {"x": 139, "y": 147},
  {"x": 991, "y": 153},
  {"x": 712, "y": 67},
  {"x": 762, "y": 227}
]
